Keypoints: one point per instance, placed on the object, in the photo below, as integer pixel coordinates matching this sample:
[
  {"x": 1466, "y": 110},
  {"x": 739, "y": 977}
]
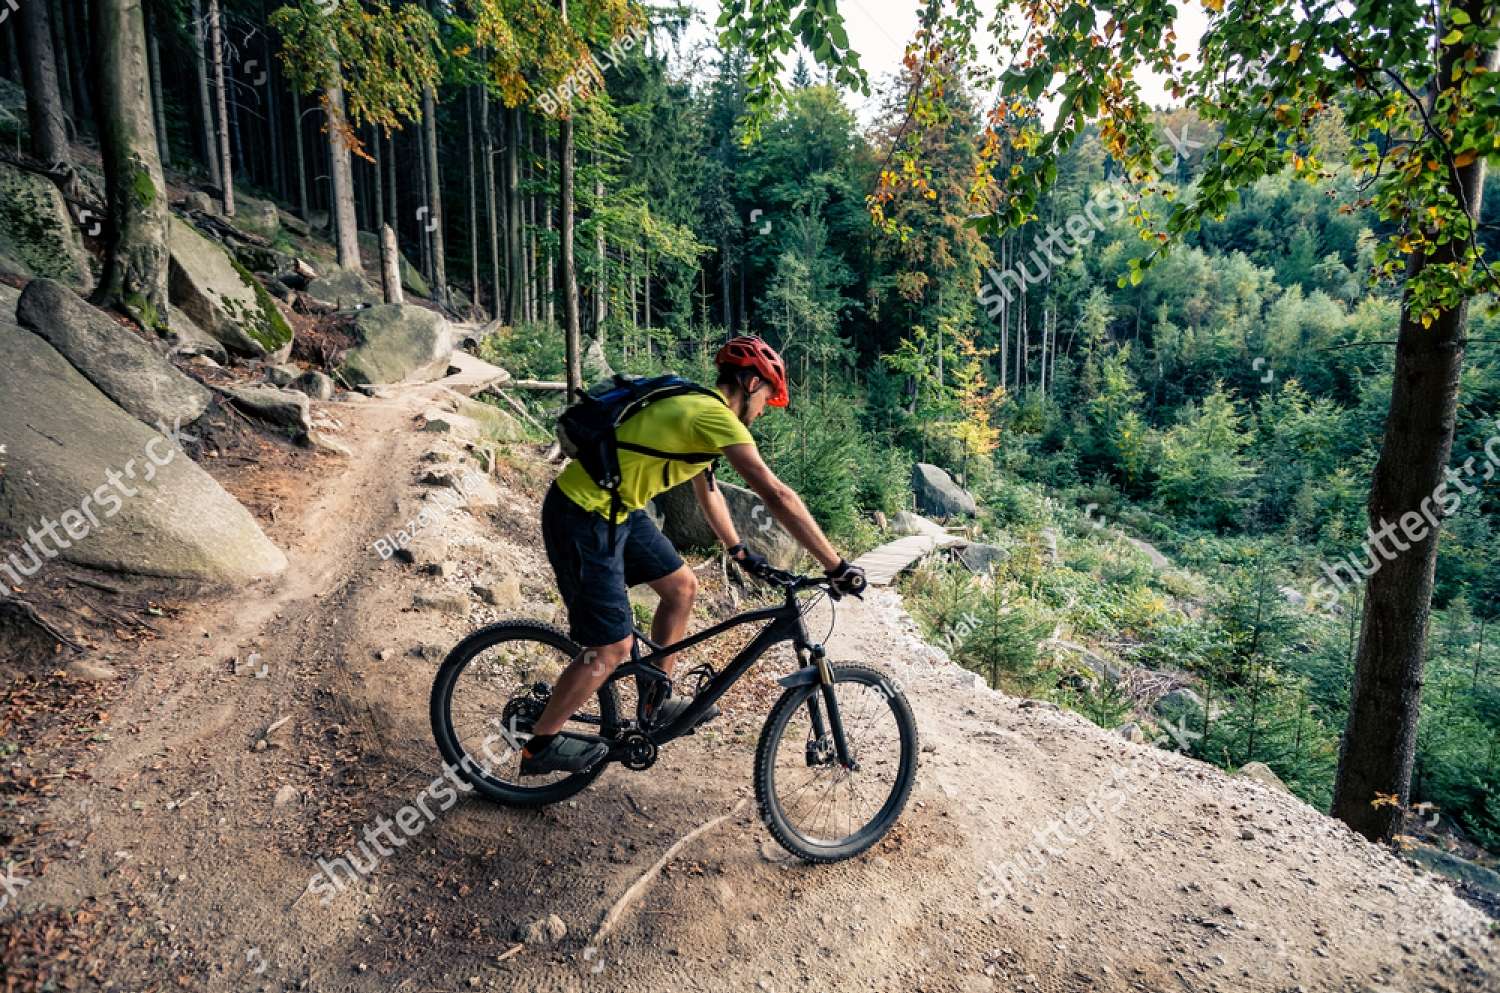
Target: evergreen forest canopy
[{"x": 1230, "y": 327}]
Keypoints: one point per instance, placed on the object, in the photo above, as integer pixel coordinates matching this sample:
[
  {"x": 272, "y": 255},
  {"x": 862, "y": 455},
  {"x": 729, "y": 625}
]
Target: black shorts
[{"x": 592, "y": 577}]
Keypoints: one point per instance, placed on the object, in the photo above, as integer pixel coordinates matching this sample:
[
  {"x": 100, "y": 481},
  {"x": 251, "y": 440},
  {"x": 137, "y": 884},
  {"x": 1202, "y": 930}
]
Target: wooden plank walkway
[
  {"x": 474, "y": 375},
  {"x": 884, "y": 564}
]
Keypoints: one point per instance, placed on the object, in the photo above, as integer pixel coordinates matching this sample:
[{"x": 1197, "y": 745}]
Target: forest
[{"x": 1115, "y": 324}]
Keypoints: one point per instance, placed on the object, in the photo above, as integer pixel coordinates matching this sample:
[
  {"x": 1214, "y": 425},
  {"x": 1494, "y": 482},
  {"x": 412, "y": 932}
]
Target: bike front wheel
[{"x": 814, "y": 805}]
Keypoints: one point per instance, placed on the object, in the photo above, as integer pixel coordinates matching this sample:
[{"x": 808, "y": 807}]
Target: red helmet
[{"x": 748, "y": 352}]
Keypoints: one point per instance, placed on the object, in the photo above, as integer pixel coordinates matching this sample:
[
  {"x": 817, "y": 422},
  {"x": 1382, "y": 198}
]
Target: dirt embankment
[{"x": 1038, "y": 852}]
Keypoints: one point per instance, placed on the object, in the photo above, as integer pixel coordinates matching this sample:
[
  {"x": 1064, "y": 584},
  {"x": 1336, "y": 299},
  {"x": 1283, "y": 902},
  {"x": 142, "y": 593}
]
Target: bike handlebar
[{"x": 792, "y": 582}]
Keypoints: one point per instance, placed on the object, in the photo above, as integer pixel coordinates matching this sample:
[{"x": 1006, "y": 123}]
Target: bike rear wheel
[
  {"x": 815, "y": 807},
  {"x": 486, "y": 696}
]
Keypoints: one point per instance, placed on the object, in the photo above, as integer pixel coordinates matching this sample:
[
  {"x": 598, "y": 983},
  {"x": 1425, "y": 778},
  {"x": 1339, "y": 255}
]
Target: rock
[
  {"x": 221, "y": 297},
  {"x": 202, "y": 202},
  {"x": 908, "y": 523},
  {"x": 285, "y": 409},
  {"x": 286, "y": 795},
  {"x": 342, "y": 289},
  {"x": 1131, "y": 732},
  {"x": 327, "y": 443},
  {"x": 1048, "y": 538},
  {"x": 257, "y": 216},
  {"x": 120, "y": 363},
  {"x": 1261, "y": 773},
  {"x": 281, "y": 375},
  {"x": 938, "y": 494},
  {"x": 398, "y": 343},
  {"x": 981, "y": 558},
  {"x": 261, "y": 259},
  {"x": 596, "y": 367},
  {"x": 315, "y": 384},
  {"x": 189, "y": 340},
  {"x": 9, "y": 297},
  {"x": 295, "y": 224},
  {"x": 89, "y": 672},
  {"x": 446, "y": 603},
  {"x": 412, "y": 280},
  {"x": 1471, "y": 874},
  {"x": 38, "y": 232},
  {"x": 546, "y": 931},
  {"x": 686, "y": 526},
  {"x": 79, "y": 454},
  {"x": 1292, "y": 596},
  {"x": 505, "y": 593},
  {"x": 12, "y": 266},
  {"x": 426, "y": 552},
  {"x": 1158, "y": 560}
]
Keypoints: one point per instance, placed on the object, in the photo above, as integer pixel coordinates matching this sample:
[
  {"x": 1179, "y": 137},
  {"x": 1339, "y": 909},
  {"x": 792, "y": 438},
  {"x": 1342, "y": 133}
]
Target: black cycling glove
[
  {"x": 847, "y": 578},
  {"x": 754, "y": 564}
]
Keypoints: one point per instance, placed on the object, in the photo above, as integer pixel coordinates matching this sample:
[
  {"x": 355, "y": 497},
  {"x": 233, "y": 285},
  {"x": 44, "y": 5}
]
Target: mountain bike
[{"x": 837, "y": 756}]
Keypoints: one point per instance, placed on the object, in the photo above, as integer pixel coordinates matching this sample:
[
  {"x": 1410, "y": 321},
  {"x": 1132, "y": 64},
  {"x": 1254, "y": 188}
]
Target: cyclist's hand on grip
[
  {"x": 753, "y": 564},
  {"x": 846, "y": 578}
]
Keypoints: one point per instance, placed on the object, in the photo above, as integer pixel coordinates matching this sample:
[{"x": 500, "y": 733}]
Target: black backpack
[{"x": 587, "y": 430}]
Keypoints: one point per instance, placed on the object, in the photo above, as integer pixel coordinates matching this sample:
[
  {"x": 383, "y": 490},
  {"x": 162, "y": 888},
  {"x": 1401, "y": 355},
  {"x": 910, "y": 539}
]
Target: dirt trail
[{"x": 1172, "y": 876}]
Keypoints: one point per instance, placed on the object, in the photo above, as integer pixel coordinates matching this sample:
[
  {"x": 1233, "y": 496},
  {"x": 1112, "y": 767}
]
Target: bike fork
[{"x": 835, "y": 720}]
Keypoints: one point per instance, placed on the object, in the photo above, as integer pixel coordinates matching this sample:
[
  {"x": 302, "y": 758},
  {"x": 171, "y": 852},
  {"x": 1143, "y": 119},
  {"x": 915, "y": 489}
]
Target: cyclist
[{"x": 593, "y": 576}]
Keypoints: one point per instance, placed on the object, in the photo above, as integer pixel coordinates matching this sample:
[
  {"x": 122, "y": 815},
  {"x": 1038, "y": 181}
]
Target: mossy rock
[
  {"x": 257, "y": 216},
  {"x": 37, "y": 231},
  {"x": 221, "y": 296},
  {"x": 398, "y": 343}
]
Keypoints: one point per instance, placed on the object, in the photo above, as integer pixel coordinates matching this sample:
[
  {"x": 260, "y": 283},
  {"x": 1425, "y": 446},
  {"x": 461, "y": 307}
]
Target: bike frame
[{"x": 785, "y": 624}]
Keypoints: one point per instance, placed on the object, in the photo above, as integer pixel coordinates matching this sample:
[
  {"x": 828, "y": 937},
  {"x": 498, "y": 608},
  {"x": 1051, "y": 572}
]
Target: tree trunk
[
  {"x": 135, "y": 273},
  {"x": 601, "y": 282},
  {"x": 301, "y": 152},
  {"x": 76, "y": 28},
  {"x": 44, "y": 110},
  {"x": 158, "y": 102},
  {"x": 569, "y": 274},
  {"x": 724, "y": 282},
  {"x": 434, "y": 197},
  {"x": 513, "y": 277},
  {"x": 225, "y": 179},
  {"x": 205, "y": 107},
  {"x": 1379, "y": 741},
  {"x": 341, "y": 209},
  {"x": 63, "y": 60},
  {"x": 273, "y": 119},
  {"x": 549, "y": 281},
  {"x": 473, "y": 196},
  {"x": 391, "y": 209},
  {"x": 390, "y": 266},
  {"x": 491, "y": 218},
  {"x": 377, "y": 174}
]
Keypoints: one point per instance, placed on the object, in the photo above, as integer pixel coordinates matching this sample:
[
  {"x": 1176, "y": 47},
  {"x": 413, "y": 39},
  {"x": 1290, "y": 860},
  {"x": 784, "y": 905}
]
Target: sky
[{"x": 879, "y": 30}]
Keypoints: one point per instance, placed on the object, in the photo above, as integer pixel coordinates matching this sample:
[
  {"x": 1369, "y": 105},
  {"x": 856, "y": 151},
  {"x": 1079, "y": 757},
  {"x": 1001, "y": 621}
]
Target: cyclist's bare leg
[
  {"x": 669, "y": 625},
  {"x": 580, "y": 681}
]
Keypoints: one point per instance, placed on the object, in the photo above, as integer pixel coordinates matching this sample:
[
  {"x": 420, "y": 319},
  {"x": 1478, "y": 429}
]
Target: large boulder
[
  {"x": 37, "y": 234},
  {"x": 221, "y": 297},
  {"x": 686, "y": 527},
  {"x": 596, "y": 367},
  {"x": 101, "y": 489},
  {"x": 257, "y": 216},
  {"x": 188, "y": 339},
  {"x": 120, "y": 363},
  {"x": 412, "y": 280},
  {"x": 343, "y": 289},
  {"x": 981, "y": 558},
  {"x": 398, "y": 343},
  {"x": 938, "y": 494},
  {"x": 905, "y": 522},
  {"x": 285, "y": 409}
]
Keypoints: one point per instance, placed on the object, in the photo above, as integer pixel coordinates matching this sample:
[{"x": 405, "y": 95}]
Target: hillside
[{"x": 168, "y": 848}]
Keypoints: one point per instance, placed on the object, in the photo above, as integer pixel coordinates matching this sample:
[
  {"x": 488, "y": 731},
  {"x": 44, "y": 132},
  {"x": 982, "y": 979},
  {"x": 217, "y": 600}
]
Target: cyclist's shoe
[
  {"x": 563, "y": 754},
  {"x": 669, "y": 710}
]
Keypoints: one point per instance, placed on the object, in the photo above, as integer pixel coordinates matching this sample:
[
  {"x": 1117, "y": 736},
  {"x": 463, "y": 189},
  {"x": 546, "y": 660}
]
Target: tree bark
[
  {"x": 64, "y": 59},
  {"x": 44, "y": 110},
  {"x": 216, "y": 61},
  {"x": 1378, "y": 746},
  {"x": 205, "y": 107},
  {"x": 491, "y": 220},
  {"x": 549, "y": 263},
  {"x": 569, "y": 273},
  {"x": 341, "y": 209},
  {"x": 377, "y": 174},
  {"x": 135, "y": 273},
  {"x": 301, "y": 153},
  {"x": 473, "y": 195},
  {"x": 390, "y": 266},
  {"x": 434, "y": 197},
  {"x": 601, "y": 282},
  {"x": 514, "y": 268},
  {"x": 158, "y": 102}
]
